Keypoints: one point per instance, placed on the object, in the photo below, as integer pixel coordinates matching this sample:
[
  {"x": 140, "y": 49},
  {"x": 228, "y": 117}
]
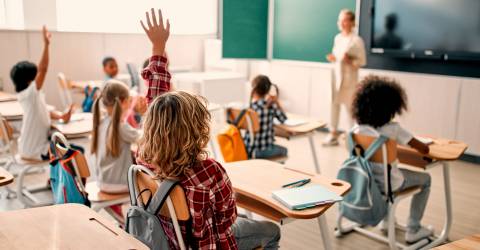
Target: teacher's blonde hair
[
  {"x": 349, "y": 13},
  {"x": 176, "y": 133}
]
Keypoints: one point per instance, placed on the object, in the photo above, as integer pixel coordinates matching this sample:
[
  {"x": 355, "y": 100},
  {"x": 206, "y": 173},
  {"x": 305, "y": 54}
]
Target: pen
[{"x": 297, "y": 183}]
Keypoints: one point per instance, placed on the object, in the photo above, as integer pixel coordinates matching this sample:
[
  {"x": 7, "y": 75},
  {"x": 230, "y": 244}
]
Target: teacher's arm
[{"x": 360, "y": 59}]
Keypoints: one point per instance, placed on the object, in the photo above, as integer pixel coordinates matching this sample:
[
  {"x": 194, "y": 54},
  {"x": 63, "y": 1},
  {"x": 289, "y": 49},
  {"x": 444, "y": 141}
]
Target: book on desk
[{"x": 305, "y": 197}]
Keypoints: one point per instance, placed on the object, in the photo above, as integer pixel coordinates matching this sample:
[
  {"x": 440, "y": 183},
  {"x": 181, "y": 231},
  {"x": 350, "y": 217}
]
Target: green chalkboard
[
  {"x": 304, "y": 29},
  {"x": 245, "y": 28}
]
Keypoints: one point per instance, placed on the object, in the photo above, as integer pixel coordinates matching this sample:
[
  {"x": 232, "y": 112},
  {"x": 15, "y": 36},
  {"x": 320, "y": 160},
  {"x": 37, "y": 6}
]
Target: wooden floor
[{"x": 465, "y": 182}]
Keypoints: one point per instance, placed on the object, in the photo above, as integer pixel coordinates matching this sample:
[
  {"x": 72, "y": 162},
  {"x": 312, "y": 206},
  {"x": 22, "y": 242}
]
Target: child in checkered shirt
[{"x": 268, "y": 108}]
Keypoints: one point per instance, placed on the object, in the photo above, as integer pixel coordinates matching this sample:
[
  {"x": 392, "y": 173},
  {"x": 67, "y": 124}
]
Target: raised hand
[
  {"x": 46, "y": 35},
  {"x": 156, "y": 31}
]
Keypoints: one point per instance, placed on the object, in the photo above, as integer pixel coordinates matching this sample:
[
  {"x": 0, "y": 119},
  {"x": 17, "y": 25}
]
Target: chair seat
[
  {"x": 25, "y": 161},
  {"x": 407, "y": 192},
  {"x": 95, "y": 195}
]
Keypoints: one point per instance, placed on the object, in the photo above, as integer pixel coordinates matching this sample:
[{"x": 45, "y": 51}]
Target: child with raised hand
[
  {"x": 375, "y": 105},
  {"x": 29, "y": 80},
  {"x": 268, "y": 108},
  {"x": 176, "y": 133}
]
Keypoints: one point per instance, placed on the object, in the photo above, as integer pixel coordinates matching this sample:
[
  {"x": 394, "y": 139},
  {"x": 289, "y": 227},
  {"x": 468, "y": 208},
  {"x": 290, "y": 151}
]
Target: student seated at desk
[
  {"x": 176, "y": 133},
  {"x": 375, "y": 104},
  {"x": 28, "y": 80},
  {"x": 112, "y": 139},
  {"x": 268, "y": 108}
]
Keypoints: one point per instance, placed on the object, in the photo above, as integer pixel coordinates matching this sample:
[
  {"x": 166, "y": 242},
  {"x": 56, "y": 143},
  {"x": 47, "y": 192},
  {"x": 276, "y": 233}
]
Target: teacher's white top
[{"x": 346, "y": 75}]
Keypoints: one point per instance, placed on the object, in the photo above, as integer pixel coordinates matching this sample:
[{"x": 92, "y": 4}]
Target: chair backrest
[
  {"x": 6, "y": 137},
  {"x": 65, "y": 95},
  {"x": 80, "y": 162},
  {"x": 134, "y": 75},
  {"x": 146, "y": 181},
  {"x": 249, "y": 122},
  {"x": 391, "y": 146},
  {"x": 175, "y": 207}
]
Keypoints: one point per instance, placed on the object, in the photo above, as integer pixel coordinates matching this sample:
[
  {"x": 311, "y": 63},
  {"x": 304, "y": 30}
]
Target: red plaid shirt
[
  {"x": 212, "y": 206},
  {"x": 207, "y": 188},
  {"x": 157, "y": 77}
]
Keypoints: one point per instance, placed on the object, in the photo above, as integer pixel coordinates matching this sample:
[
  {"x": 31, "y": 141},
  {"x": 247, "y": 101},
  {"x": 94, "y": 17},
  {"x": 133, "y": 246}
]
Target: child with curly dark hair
[{"x": 377, "y": 101}]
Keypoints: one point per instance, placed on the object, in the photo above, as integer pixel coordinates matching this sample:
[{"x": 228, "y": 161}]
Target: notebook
[
  {"x": 305, "y": 197},
  {"x": 292, "y": 122},
  {"x": 424, "y": 140}
]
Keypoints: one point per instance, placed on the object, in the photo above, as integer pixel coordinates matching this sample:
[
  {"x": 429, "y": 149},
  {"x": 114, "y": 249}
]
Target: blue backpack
[
  {"x": 63, "y": 179},
  {"x": 89, "y": 99},
  {"x": 364, "y": 204}
]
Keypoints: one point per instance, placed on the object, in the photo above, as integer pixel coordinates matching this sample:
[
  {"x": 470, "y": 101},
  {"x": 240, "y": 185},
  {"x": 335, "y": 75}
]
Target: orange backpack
[{"x": 231, "y": 141}]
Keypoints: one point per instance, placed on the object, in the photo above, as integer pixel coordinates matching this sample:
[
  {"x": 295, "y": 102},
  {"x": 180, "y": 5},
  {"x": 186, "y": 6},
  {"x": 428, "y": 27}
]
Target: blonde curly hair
[{"x": 176, "y": 133}]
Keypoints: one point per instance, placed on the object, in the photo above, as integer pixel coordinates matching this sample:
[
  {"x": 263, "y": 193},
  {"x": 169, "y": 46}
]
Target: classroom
[{"x": 240, "y": 124}]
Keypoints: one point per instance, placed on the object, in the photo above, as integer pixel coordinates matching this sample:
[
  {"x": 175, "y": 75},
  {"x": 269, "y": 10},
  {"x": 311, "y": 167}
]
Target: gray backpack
[
  {"x": 142, "y": 221},
  {"x": 364, "y": 203}
]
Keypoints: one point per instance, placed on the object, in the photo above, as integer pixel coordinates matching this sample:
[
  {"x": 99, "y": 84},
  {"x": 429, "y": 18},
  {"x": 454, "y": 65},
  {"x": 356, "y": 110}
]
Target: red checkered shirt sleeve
[{"x": 157, "y": 76}]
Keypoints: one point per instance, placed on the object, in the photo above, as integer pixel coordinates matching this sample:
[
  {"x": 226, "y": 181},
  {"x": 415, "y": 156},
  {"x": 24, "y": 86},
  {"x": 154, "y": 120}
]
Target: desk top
[
  {"x": 471, "y": 242},
  {"x": 11, "y": 110},
  {"x": 310, "y": 125},
  {"x": 82, "y": 84},
  {"x": 254, "y": 181},
  {"x": 81, "y": 124},
  {"x": 5, "y": 177},
  {"x": 68, "y": 226},
  {"x": 7, "y": 97},
  {"x": 440, "y": 150}
]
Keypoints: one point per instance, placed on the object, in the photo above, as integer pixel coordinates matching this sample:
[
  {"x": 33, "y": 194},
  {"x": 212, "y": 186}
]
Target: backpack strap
[
  {"x": 92, "y": 94},
  {"x": 350, "y": 142},
  {"x": 238, "y": 119},
  {"x": 161, "y": 195},
  {"x": 375, "y": 146}
]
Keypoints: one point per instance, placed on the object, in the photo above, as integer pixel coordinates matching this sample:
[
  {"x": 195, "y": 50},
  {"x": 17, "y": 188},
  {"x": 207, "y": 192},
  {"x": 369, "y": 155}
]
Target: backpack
[
  {"x": 67, "y": 186},
  {"x": 142, "y": 221},
  {"x": 364, "y": 203},
  {"x": 89, "y": 99},
  {"x": 231, "y": 141}
]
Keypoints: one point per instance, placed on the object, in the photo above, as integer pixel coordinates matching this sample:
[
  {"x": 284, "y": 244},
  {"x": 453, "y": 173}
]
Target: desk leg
[
  {"x": 448, "y": 209},
  {"x": 314, "y": 153},
  {"x": 322, "y": 223}
]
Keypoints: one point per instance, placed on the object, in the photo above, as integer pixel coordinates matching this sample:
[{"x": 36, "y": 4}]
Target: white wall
[
  {"x": 79, "y": 55},
  {"x": 438, "y": 105}
]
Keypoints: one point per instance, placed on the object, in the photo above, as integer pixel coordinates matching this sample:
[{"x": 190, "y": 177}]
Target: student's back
[
  {"x": 112, "y": 138},
  {"x": 376, "y": 103},
  {"x": 267, "y": 108}
]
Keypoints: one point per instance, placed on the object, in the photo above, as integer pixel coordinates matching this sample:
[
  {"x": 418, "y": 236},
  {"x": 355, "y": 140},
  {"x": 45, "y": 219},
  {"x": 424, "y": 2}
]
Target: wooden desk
[
  {"x": 306, "y": 129},
  {"x": 255, "y": 180},
  {"x": 5, "y": 177},
  {"x": 68, "y": 226},
  {"x": 442, "y": 151},
  {"x": 11, "y": 110},
  {"x": 470, "y": 243},
  {"x": 80, "y": 85},
  {"x": 7, "y": 97},
  {"x": 80, "y": 126}
]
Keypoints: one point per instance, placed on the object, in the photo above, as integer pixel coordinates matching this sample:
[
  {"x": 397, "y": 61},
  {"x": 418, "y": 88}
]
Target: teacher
[{"x": 348, "y": 55}]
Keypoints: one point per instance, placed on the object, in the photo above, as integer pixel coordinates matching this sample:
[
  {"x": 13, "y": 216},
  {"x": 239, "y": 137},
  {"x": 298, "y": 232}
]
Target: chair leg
[
  {"x": 340, "y": 230},
  {"x": 24, "y": 195},
  {"x": 392, "y": 240}
]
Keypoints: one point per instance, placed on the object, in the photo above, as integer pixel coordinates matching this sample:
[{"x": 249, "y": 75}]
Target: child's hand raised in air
[
  {"x": 140, "y": 105},
  {"x": 46, "y": 35},
  {"x": 156, "y": 32}
]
